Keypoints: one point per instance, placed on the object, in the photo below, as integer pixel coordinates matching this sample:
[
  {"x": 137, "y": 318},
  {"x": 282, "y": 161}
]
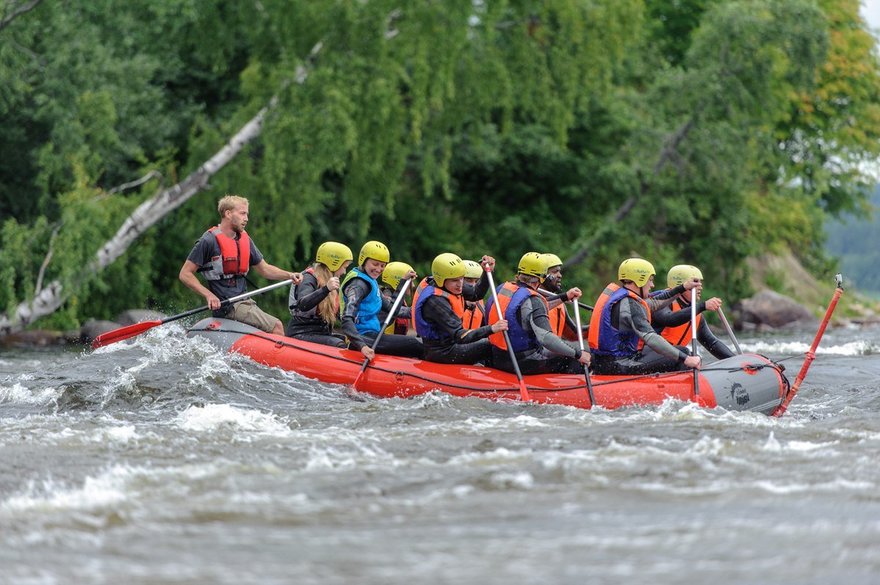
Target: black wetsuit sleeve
[
  {"x": 666, "y": 317},
  {"x": 664, "y": 298},
  {"x": 633, "y": 318},
  {"x": 308, "y": 294},
  {"x": 354, "y": 292},
  {"x": 712, "y": 344},
  {"x": 476, "y": 292},
  {"x": 438, "y": 312},
  {"x": 388, "y": 302}
]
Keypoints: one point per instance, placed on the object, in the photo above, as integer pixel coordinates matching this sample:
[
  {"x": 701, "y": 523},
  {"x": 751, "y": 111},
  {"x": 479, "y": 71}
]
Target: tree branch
[
  {"x": 148, "y": 213},
  {"x": 16, "y": 12}
]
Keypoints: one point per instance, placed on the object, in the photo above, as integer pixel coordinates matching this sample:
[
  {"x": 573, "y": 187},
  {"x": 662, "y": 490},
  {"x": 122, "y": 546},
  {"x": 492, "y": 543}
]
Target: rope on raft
[{"x": 658, "y": 375}]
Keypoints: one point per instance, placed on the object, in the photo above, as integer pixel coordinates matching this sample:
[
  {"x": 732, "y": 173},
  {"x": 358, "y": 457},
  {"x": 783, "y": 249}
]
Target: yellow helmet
[
  {"x": 393, "y": 272},
  {"x": 552, "y": 260},
  {"x": 681, "y": 273},
  {"x": 472, "y": 269},
  {"x": 533, "y": 264},
  {"x": 375, "y": 250},
  {"x": 447, "y": 266},
  {"x": 333, "y": 255},
  {"x": 637, "y": 270}
]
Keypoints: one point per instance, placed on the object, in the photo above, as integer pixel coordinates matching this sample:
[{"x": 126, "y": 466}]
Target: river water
[{"x": 164, "y": 461}]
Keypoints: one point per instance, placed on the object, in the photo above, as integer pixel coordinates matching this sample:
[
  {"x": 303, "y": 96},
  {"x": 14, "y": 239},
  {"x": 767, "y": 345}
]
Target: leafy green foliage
[{"x": 731, "y": 127}]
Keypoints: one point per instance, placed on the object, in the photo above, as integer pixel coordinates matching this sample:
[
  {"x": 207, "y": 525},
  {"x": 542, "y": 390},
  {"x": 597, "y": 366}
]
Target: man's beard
[{"x": 552, "y": 285}]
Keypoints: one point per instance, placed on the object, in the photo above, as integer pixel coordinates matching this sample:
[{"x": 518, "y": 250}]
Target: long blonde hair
[{"x": 327, "y": 308}]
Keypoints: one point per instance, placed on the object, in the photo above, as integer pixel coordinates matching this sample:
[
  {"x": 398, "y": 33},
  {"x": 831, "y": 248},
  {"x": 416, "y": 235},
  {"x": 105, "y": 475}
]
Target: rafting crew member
[
  {"x": 620, "y": 335},
  {"x": 362, "y": 302},
  {"x": 474, "y": 311},
  {"x": 438, "y": 311},
  {"x": 388, "y": 286},
  {"x": 538, "y": 350},
  {"x": 314, "y": 302},
  {"x": 674, "y": 322},
  {"x": 223, "y": 255},
  {"x": 560, "y": 322}
]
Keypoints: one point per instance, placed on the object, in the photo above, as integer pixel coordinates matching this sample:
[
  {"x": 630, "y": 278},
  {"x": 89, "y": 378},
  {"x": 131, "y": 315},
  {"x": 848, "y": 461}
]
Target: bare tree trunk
[
  {"x": 53, "y": 295},
  {"x": 16, "y": 12},
  {"x": 148, "y": 213}
]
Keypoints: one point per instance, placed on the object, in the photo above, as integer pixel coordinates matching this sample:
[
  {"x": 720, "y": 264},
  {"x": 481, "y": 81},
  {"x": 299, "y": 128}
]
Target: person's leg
[
  {"x": 399, "y": 345},
  {"x": 460, "y": 353},
  {"x": 322, "y": 339},
  {"x": 248, "y": 312}
]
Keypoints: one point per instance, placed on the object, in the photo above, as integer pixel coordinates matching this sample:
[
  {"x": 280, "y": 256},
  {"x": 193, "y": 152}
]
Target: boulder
[
  {"x": 33, "y": 338},
  {"x": 93, "y": 328},
  {"x": 133, "y": 316},
  {"x": 773, "y": 310}
]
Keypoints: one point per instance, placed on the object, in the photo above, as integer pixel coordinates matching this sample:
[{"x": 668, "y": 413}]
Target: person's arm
[
  {"x": 354, "y": 292},
  {"x": 633, "y": 317},
  {"x": 188, "y": 277},
  {"x": 270, "y": 272},
  {"x": 199, "y": 254},
  {"x": 712, "y": 344},
  {"x": 437, "y": 311},
  {"x": 388, "y": 302},
  {"x": 535, "y": 314},
  {"x": 308, "y": 294},
  {"x": 664, "y": 298}
]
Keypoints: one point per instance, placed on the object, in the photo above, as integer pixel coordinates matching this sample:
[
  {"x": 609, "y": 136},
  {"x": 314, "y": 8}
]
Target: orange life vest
[
  {"x": 603, "y": 337},
  {"x": 557, "y": 319},
  {"x": 680, "y": 335},
  {"x": 473, "y": 315},
  {"x": 510, "y": 297},
  {"x": 427, "y": 330}
]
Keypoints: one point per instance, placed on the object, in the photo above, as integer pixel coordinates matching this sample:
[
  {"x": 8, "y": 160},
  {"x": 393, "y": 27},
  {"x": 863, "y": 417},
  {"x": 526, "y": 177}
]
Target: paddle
[
  {"x": 577, "y": 321},
  {"x": 729, "y": 331},
  {"x": 523, "y": 391},
  {"x": 694, "y": 349},
  {"x": 547, "y": 293},
  {"x": 132, "y": 330},
  {"x": 385, "y": 325},
  {"x": 811, "y": 354}
]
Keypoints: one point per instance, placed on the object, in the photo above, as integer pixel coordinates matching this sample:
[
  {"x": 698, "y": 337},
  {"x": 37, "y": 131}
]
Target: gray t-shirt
[{"x": 207, "y": 248}]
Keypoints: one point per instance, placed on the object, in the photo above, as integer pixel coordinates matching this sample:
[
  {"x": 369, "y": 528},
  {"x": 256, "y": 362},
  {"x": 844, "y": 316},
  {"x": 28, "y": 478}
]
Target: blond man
[{"x": 223, "y": 255}]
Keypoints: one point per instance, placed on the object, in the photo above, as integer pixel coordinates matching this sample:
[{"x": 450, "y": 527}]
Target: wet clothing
[
  {"x": 622, "y": 339},
  {"x": 305, "y": 322},
  {"x": 438, "y": 316},
  {"x": 362, "y": 329},
  {"x": 207, "y": 254},
  {"x": 537, "y": 349},
  {"x": 674, "y": 324}
]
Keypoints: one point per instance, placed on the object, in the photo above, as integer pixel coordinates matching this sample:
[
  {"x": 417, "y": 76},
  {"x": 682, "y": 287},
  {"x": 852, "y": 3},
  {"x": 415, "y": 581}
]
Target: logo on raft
[{"x": 739, "y": 394}]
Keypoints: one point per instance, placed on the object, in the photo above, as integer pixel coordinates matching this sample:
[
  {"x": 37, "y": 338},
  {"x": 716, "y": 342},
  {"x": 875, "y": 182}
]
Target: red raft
[{"x": 747, "y": 382}]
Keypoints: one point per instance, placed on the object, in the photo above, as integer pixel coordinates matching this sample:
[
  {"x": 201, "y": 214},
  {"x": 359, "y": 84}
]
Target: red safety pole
[{"x": 811, "y": 355}]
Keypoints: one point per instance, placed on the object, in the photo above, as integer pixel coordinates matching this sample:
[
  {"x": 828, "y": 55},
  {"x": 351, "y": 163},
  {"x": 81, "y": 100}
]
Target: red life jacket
[
  {"x": 682, "y": 334},
  {"x": 234, "y": 259}
]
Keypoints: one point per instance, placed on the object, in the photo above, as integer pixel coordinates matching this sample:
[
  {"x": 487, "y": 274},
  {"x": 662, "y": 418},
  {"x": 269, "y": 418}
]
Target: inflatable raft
[{"x": 747, "y": 382}]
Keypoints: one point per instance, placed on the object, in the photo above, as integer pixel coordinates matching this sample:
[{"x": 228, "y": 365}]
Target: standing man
[{"x": 223, "y": 255}]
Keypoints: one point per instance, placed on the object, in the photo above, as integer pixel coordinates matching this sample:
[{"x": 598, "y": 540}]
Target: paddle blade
[{"x": 123, "y": 333}]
